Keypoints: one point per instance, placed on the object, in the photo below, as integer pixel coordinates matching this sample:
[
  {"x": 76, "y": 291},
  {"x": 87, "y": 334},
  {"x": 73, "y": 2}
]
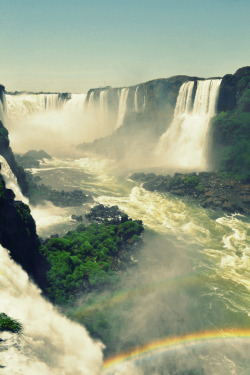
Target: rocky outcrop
[
  {"x": 5, "y": 149},
  {"x": 231, "y": 89},
  {"x": 209, "y": 188},
  {"x": 32, "y": 158},
  {"x": 101, "y": 214},
  {"x": 230, "y": 129},
  {"x": 18, "y": 233}
]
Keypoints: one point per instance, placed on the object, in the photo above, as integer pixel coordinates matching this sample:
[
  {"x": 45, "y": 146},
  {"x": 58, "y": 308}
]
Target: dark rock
[
  {"x": 76, "y": 218},
  {"x": 32, "y": 158},
  {"x": 209, "y": 188},
  {"x": 101, "y": 213},
  {"x": 18, "y": 233}
]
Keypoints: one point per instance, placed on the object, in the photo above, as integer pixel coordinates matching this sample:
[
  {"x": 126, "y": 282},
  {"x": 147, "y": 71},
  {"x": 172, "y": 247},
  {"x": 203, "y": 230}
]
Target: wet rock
[
  {"x": 101, "y": 213},
  {"x": 76, "y": 218},
  {"x": 209, "y": 188}
]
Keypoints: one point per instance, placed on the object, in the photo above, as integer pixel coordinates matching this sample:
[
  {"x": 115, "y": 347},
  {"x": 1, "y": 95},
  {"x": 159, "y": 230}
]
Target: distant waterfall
[
  {"x": 136, "y": 99},
  {"x": 50, "y": 343},
  {"x": 123, "y": 96},
  {"x": 183, "y": 145},
  {"x": 75, "y": 103},
  {"x": 139, "y": 100},
  {"x": 21, "y": 105},
  {"x": 11, "y": 181},
  {"x": 104, "y": 104}
]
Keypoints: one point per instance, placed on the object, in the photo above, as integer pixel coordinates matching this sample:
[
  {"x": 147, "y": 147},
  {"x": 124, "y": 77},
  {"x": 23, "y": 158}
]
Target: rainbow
[
  {"x": 129, "y": 294},
  {"x": 175, "y": 342}
]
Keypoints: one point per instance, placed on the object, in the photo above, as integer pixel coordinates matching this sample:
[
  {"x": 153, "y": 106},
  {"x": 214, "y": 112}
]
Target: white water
[
  {"x": 136, "y": 99},
  {"x": 184, "y": 144},
  {"x": 22, "y": 105},
  {"x": 50, "y": 343},
  {"x": 123, "y": 96},
  {"x": 2, "y": 110},
  {"x": 11, "y": 181},
  {"x": 76, "y": 103}
]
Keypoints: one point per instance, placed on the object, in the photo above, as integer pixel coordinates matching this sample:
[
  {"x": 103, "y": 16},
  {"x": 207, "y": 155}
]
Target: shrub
[{"x": 8, "y": 324}]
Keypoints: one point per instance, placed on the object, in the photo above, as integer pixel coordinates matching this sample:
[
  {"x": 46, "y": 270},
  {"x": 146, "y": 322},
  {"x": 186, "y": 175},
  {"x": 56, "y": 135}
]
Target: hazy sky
[{"x": 75, "y": 45}]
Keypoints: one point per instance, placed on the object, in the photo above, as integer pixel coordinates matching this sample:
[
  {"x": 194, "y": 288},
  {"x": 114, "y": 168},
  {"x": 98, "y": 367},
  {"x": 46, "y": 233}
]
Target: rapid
[{"x": 191, "y": 277}]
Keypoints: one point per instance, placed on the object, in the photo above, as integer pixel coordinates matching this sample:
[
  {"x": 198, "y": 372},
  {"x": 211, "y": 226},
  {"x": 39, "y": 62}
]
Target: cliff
[
  {"x": 18, "y": 232},
  {"x": 149, "y": 111},
  {"x": 230, "y": 130},
  {"x": 5, "y": 149}
]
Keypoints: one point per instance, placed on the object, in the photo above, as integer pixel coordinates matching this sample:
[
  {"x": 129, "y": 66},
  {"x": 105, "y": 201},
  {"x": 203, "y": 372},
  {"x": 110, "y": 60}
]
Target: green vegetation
[
  {"x": 231, "y": 135},
  {"x": 88, "y": 257},
  {"x": 191, "y": 181},
  {"x": 8, "y": 324},
  {"x": 199, "y": 188}
]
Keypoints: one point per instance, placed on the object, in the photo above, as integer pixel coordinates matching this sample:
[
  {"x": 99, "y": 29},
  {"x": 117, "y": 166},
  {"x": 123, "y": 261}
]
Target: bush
[
  {"x": 8, "y": 324},
  {"x": 191, "y": 181},
  {"x": 87, "y": 257}
]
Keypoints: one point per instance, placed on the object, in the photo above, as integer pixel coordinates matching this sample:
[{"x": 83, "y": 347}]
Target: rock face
[
  {"x": 231, "y": 89},
  {"x": 18, "y": 232},
  {"x": 6, "y": 152},
  {"x": 209, "y": 188},
  {"x": 230, "y": 129},
  {"x": 32, "y": 158}
]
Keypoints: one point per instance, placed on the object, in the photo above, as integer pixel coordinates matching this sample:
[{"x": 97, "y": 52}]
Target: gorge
[{"x": 182, "y": 304}]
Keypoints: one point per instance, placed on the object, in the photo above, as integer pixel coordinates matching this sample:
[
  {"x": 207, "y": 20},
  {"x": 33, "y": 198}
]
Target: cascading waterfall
[
  {"x": 2, "y": 107},
  {"x": 11, "y": 181},
  {"x": 183, "y": 145},
  {"x": 136, "y": 99},
  {"x": 76, "y": 103},
  {"x": 21, "y": 105},
  {"x": 123, "y": 96},
  {"x": 103, "y": 103},
  {"x": 139, "y": 101},
  {"x": 50, "y": 343}
]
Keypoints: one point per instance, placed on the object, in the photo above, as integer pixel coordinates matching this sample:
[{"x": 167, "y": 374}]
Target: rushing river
[{"x": 191, "y": 276}]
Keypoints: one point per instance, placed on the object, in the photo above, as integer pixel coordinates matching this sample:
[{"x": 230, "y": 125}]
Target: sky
[{"x": 75, "y": 45}]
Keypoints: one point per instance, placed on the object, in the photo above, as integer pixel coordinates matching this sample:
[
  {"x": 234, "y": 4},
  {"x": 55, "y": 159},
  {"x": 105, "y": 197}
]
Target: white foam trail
[
  {"x": 11, "y": 181},
  {"x": 123, "y": 96},
  {"x": 183, "y": 145},
  {"x": 50, "y": 344}
]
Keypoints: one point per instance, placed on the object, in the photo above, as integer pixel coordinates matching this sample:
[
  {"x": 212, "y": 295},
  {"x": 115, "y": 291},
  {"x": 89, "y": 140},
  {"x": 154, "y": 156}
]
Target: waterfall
[
  {"x": 183, "y": 145},
  {"x": 123, "y": 96},
  {"x": 11, "y": 181},
  {"x": 2, "y": 108},
  {"x": 76, "y": 103},
  {"x": 103, "y": 104},
  {"x": 50, "y": 343},
  {"x": 136, "y": 99},
  {"x": 91, "y": 103},
  {"x": 21, "y": 105},
  {"x": 184, "y": 100}
]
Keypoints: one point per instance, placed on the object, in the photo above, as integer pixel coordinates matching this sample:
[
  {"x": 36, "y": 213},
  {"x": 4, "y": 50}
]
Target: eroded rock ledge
[{"x": 209, "y": 188}]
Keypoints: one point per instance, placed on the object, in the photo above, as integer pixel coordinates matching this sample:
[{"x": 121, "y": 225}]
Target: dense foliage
[
  {"x": 88, "y": 257},
  {"x": 8, "y": 324},
  {"x": 231, "y": 134}
]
